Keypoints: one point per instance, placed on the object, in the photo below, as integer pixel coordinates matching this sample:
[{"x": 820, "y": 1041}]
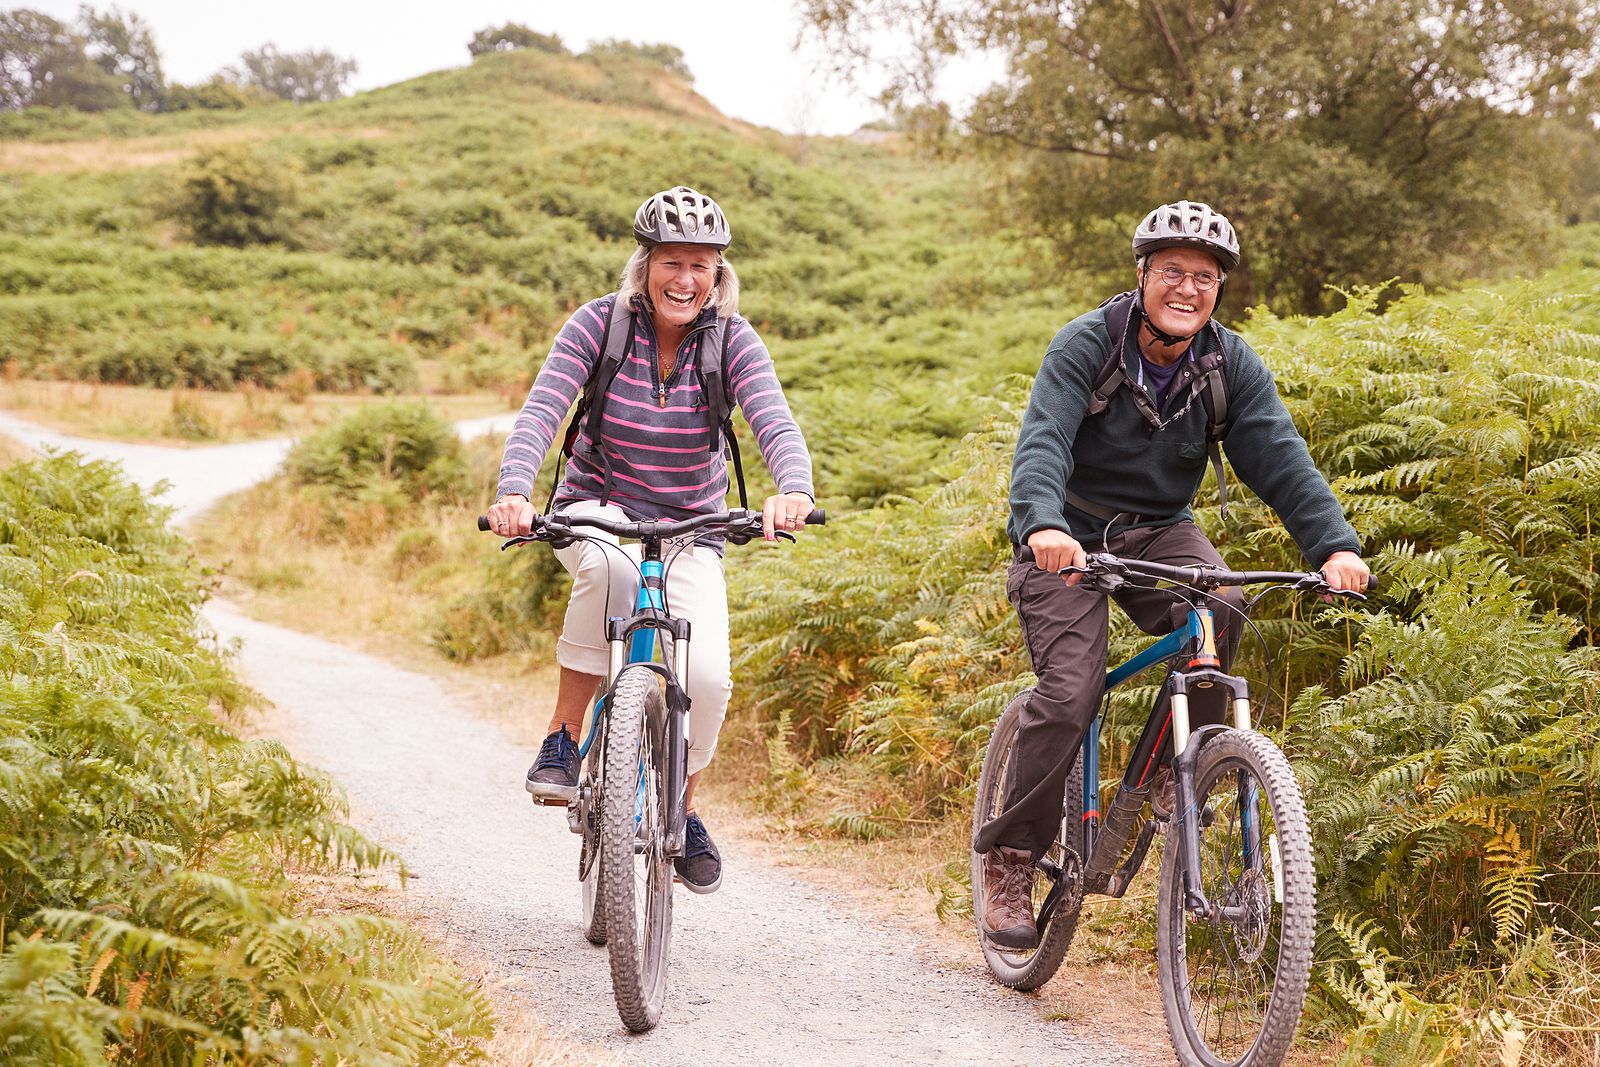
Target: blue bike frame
[{"x": 641, "y": 646}]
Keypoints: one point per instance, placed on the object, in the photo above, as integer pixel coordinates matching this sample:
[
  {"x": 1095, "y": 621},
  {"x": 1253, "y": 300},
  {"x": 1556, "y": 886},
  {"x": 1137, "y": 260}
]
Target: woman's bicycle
[
  {"x": 1236, "y": 899},
  {"x": 629, "y": 804}
]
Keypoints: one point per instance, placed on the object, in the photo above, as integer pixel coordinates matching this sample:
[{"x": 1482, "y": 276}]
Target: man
[{"x": 1128, "y": 402}]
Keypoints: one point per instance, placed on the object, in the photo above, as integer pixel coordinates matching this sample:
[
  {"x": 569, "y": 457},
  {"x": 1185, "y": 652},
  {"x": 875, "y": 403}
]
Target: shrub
[
  {"x": 237, "y": 196},
  {"x": 401, "y": 443}
]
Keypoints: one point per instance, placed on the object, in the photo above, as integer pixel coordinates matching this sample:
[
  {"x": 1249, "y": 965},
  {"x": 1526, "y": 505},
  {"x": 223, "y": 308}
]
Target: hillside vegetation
[{"x": 1444, "y": 732}]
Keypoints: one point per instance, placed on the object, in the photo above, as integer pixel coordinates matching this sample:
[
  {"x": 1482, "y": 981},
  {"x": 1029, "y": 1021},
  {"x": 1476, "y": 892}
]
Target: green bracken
[{"x": 145, "y": 916}]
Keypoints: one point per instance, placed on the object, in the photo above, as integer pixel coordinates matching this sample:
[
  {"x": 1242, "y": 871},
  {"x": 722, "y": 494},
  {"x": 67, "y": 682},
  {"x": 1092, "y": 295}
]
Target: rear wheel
[
  {"x": 1233, "y": 983},
  {"x": 1028, "y": 968},
  {"x": 635, "y": 871}
]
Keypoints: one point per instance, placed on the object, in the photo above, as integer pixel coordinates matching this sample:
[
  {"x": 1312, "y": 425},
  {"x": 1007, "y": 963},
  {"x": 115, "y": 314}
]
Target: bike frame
[
  {"x": 1103, "y": 842},
  {"x": 632, "y": 641}
]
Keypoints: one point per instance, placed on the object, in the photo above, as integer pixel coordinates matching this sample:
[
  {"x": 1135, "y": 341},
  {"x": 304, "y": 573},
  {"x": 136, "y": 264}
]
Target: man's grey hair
[{"x": 632, "y": 287}]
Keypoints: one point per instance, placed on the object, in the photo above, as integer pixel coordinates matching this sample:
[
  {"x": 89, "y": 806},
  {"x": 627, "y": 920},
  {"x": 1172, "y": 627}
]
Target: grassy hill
[{"x": 436, "y": 232}]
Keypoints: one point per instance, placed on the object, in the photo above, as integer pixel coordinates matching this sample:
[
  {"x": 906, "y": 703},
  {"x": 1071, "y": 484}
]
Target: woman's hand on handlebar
[
  {"x": 786, "y": 511},
  {"x": 512, "y": 516},
  {"x": 1055, "y": 549}
]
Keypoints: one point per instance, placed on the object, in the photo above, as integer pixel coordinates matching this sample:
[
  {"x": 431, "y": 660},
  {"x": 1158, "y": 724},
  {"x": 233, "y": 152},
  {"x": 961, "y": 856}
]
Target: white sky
[{"x": 743, "y": 53}]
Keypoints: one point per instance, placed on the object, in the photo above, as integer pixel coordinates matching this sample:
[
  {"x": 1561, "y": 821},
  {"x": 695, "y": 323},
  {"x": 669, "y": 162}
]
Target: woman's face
[{"x": 680, "y": 281}]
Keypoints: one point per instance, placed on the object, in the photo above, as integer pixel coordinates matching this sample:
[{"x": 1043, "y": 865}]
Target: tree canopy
[
  {"x": 1351, "y": 142},
  {"x": 303, "y": 77},
  {"x": 105, "y": 61},
  {"x": 511, "y": 36}
]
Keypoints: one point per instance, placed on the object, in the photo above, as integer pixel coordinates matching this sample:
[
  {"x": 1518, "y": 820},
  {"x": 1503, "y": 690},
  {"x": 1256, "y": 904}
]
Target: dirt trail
[{"x": 768, "y": 970}]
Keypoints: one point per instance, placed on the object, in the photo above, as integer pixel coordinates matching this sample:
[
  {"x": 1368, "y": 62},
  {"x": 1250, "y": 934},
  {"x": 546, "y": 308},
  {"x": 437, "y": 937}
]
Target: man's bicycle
[
  {"x": 1236, "y": 899},
  {"x": 629, "y": 806}
]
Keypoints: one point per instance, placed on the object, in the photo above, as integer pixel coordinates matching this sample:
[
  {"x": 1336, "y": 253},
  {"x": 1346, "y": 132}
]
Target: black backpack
[
  {"x": 1206, "y": 379},
  {"x": 616, "y": 344}
]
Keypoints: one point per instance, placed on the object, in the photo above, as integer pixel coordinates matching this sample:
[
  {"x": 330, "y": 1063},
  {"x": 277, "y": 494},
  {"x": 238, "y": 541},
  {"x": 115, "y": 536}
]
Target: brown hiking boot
[{"x": 1008, "y": 898}]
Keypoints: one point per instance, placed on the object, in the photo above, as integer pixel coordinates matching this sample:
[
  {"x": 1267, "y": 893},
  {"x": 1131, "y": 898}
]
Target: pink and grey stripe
[{"x": 661, "y": 467}]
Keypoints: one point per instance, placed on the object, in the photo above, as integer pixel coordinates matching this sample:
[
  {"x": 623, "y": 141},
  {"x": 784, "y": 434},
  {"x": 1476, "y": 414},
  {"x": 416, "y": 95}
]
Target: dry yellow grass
[
  {"x": 12, "y": 452},
  {"x": 132, "y": 153},
  {"x": 196, "y": 416}
]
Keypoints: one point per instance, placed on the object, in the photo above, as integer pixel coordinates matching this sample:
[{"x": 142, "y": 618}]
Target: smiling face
[
  {"x": 680, "y": 281},
  {"x": 1180, "y": 309}
]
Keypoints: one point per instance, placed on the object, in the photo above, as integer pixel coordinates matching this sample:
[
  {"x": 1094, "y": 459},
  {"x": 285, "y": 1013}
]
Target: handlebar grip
[
  {"x": 818, "y": 517},
  {"x": 1372, "y": 583},
  {"x": 483, "y": 523}
]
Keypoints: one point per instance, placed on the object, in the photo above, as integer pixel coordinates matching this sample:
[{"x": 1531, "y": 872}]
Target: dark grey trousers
[{"x": 1064, "y": 628}]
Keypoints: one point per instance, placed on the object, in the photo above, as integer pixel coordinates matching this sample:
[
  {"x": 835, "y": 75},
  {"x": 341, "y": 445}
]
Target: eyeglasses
[{"x": 1204, "y": 280}]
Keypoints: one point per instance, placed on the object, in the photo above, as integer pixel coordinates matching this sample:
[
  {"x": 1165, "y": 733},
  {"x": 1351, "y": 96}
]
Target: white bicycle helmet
[
  {"x": 681, "y": 216},
  {"x": 1188, "y": 224}
]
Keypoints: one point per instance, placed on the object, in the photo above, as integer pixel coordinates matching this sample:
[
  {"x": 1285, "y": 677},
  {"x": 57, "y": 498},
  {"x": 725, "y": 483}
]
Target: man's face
[{"x": 1183, "y": 308}]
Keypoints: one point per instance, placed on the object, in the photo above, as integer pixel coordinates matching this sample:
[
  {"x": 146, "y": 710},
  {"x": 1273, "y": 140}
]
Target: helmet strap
[{"x": 1155, "y": 331}]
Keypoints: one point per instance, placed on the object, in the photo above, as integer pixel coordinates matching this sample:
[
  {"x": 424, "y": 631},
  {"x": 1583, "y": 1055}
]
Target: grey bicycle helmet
[
  {"x": 681, "y": 216},
  {"x": 1188, "y": 224}
]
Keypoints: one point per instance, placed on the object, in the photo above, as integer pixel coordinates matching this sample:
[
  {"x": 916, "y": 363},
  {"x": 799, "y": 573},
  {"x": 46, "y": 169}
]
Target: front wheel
[
  {"x": 635, "y": 870},
  {"x": 1233, "y": 982},
  {"x": 1027, "y": 969}
]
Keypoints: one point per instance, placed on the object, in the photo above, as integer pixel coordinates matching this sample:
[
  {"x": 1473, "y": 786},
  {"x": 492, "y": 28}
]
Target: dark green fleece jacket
[{"x": 1116, "y": 460}]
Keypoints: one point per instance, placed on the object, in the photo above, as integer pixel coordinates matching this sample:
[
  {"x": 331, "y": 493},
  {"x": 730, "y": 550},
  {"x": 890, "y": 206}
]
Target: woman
[{"x": 652, "y": 462}]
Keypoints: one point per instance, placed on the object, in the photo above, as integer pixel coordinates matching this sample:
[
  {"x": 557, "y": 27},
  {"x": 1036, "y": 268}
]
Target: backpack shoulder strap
[
  {"x": 1212, "y": 384},
  {"x": 616, "y": 342},
  {"x": 719, "y": 404},
  {"x": 1119, "y": 315}
]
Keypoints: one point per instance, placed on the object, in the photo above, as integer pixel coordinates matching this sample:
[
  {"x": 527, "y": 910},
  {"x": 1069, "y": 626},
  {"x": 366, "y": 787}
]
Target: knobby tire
[
  {"x": 1026, "y": 969},
  {"x": 1233, "y": 988},
  {"x": 636, "y": 886}
]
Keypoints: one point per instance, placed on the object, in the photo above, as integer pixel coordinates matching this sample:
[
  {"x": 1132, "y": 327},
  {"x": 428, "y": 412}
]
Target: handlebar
[
  {"x": 739, "y": 526},
  {"x": 1107, "y": 573}
]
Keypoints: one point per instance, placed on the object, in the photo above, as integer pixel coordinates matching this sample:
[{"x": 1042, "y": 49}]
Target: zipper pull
[{"x": 661, "y": 396}]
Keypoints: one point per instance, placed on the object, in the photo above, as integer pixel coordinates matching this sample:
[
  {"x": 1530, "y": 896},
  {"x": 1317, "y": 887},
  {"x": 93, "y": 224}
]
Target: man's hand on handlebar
[
  {"x": 512, "y": 516},
  {"x": 1054, "y": 550},
  {"x": 1346, "y": 572}
]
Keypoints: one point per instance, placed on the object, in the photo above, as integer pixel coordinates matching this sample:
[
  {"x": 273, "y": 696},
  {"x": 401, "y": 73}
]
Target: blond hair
[{"x": 637, "y": 269}]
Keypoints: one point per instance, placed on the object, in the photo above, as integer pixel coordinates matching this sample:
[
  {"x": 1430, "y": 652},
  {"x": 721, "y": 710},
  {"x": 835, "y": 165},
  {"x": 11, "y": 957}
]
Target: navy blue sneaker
[
  {"x": 553, "y": 778},
  {"x": 700, "y": 866}
]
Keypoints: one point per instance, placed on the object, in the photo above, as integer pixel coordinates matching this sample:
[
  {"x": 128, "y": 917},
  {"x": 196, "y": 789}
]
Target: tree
[
  {"x": 303, "y": 77},
  {"x": 1351, "y": 142},
  {"x": 122, "y": 46},
  {"x": 106, "y": 61},
  {"x": 35, "y": 50},
  {"x": 667, "y": 56},
  {"x": 514, "y": 35}
]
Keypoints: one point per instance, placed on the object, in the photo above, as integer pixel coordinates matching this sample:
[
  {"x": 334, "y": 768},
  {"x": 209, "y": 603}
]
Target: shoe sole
[
  {"x": 545, "y": 793},
  {"x": 701, "y": 889},
  {"x": 1025, "y": 940}
]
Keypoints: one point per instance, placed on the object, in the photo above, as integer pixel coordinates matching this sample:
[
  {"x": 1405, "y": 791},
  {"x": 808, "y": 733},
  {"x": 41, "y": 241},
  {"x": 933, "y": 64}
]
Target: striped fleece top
[{"x": 661, "y": 468}]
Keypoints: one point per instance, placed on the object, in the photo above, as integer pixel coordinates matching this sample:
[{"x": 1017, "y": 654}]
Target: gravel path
[{"x": 769, "y": 970}]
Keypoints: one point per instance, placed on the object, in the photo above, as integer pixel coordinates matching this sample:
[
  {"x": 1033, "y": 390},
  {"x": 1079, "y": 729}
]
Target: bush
[
  {"x": 401, "y": 443},
  {"x": 237, "y": 196}
]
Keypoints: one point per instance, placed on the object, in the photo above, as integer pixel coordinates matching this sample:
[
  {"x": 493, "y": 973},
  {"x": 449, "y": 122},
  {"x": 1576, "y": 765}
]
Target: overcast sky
[{"x": 743, "y": 52}]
